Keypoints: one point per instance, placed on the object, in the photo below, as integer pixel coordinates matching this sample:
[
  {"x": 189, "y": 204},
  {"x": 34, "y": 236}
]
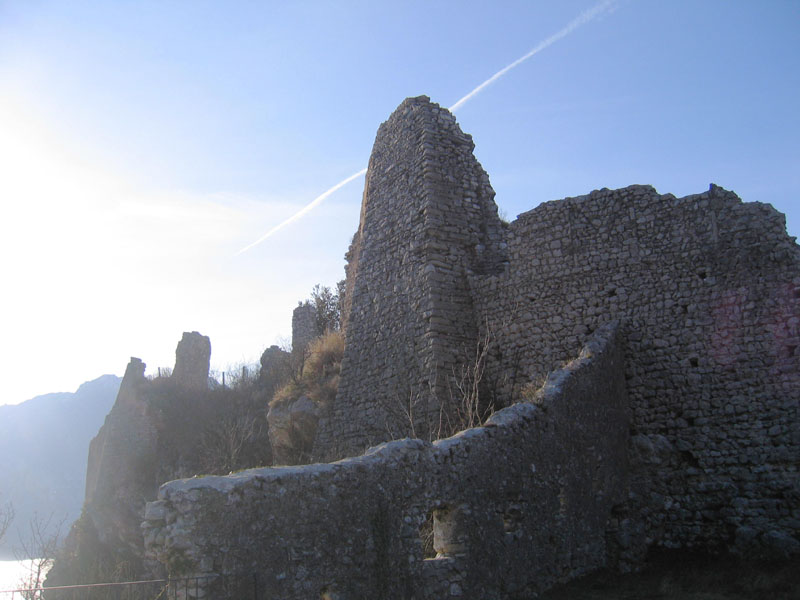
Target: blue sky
[{"x": 144, "y": 143}]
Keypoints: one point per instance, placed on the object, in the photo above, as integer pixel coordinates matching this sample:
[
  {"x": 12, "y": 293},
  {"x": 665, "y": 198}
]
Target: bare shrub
[
  {"x": 6, "y": 517},
  {"x": 468, "y": 403},
  {"x": 40, "y": 550}
]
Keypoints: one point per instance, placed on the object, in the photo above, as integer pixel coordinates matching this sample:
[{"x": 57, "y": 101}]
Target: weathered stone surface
[
  {"x": 192, "y": 360},
  {"x": 273, "y": 367},
  {"x": 535, "y": 486},
  {"x": 304, "y": 326},
  {"x": 142, "y": 443},
  {"x": 117, "y": 484},
  {"x": 292, "y": 428},
  {"x": 428, "y": 220},
  {"x": 700, "y": 451},
  {"x": 707, "y": 287}
]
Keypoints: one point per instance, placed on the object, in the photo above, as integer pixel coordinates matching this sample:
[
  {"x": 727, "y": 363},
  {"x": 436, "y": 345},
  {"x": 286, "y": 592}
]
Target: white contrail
[
  {"x": 311, "y": 205},
  {"x": 581, "y": 19}
]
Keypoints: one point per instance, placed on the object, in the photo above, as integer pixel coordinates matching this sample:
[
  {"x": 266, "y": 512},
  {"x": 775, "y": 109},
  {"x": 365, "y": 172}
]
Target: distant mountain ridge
[{"x": 44, "y": 442}]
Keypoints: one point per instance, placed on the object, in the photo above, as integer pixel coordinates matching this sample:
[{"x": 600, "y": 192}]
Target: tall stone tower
[{"x": 428, "y": 221}]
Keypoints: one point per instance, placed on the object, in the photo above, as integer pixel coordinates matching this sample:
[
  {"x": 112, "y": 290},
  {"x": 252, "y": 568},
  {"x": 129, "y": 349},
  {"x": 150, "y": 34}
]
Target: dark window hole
[
  {"x": 328, "y": 592},
  {"x": 694, "y": 362},
  {"x": 701, "y": 274},
  {"x": 512, "y": 519},
  {"x": 443, "y": 533}
]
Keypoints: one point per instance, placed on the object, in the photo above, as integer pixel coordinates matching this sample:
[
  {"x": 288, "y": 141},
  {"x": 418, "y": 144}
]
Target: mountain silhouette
[{"x": 43, "y": 447}]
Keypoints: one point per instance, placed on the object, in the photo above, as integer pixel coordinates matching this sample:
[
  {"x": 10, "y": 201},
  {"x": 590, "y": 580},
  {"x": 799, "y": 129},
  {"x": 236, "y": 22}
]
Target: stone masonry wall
[
  {"x": 304, "y": 326},
  {"x": 517, "y": 505},
  {"x": 709, "y": 290},
  {"x": 707, "y": 287},
  {"x": 428, "y": 220}
]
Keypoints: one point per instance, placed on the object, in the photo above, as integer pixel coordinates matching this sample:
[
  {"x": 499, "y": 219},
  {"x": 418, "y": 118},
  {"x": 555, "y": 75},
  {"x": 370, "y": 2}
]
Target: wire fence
[{"x": 187, "y": 588}]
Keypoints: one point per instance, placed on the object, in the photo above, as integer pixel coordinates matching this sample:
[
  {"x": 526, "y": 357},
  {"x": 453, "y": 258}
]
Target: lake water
[{"x": 12, "y": 573}]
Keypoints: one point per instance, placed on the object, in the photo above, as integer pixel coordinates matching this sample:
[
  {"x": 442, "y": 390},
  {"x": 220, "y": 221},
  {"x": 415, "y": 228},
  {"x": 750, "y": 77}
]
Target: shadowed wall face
[
  {"x": 708, "y": 288},
  {"x": 500, "y": 511}
]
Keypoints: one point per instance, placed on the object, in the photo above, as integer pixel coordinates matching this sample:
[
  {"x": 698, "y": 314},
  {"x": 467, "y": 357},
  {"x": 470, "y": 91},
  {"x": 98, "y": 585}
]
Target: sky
[{"x": 145, "y": 144}]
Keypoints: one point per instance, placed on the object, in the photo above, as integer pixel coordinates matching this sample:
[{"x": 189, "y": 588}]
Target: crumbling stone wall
[
  {"x": 709, "y": 290},
  {"x": 133, "y": 453},
  {"x": 304, "y": 326},
  {"x": 427, "y": 221},
  {"x": 192, "y": 361},
  {"x": 517, "y": 505},
  {"x": 707, "y": 287}
]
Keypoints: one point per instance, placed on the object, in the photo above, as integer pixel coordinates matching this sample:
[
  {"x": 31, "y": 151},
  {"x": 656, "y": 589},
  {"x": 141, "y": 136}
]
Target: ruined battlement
[
  {"x": 707, "y": 288},
  {"x": 519, "y": 491}
]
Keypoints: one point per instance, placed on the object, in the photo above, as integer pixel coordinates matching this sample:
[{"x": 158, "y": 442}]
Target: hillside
[{"x": 43, "y": 444}]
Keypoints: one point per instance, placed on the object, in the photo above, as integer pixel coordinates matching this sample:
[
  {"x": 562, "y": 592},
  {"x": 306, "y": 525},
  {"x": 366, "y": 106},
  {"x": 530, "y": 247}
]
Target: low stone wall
[{"x": 515, "y": 506}]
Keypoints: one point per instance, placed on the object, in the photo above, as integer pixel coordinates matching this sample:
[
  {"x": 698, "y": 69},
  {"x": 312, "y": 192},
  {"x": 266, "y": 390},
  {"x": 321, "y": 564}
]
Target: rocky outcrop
[
  {"x": 295, "y": 409},
  {"x": 292, "y": 429},
  {"x": 137, "y": 448},
  {"x": 119, "y": 480},
  {"x": 274, "y": 369}
]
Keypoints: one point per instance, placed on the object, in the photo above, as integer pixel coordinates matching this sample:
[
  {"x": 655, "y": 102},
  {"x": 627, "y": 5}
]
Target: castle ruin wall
[
  {"x": 708, "y": 288},
  {"x": 517, "y": 505}
]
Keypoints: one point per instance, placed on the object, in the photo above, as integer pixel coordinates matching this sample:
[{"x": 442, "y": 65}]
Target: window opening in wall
[
  {"x": 693, "y": 361},
  {"x": 512, "y": 520},
  {"x": 328, "y": 592},
  {"x": 443, "y": 534},
  {"x": 701, "y": 274}
]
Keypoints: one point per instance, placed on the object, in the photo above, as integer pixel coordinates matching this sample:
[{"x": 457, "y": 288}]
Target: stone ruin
[
  {"x": 304, "y": 326},
  {"x": 639, "y": 353}
]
